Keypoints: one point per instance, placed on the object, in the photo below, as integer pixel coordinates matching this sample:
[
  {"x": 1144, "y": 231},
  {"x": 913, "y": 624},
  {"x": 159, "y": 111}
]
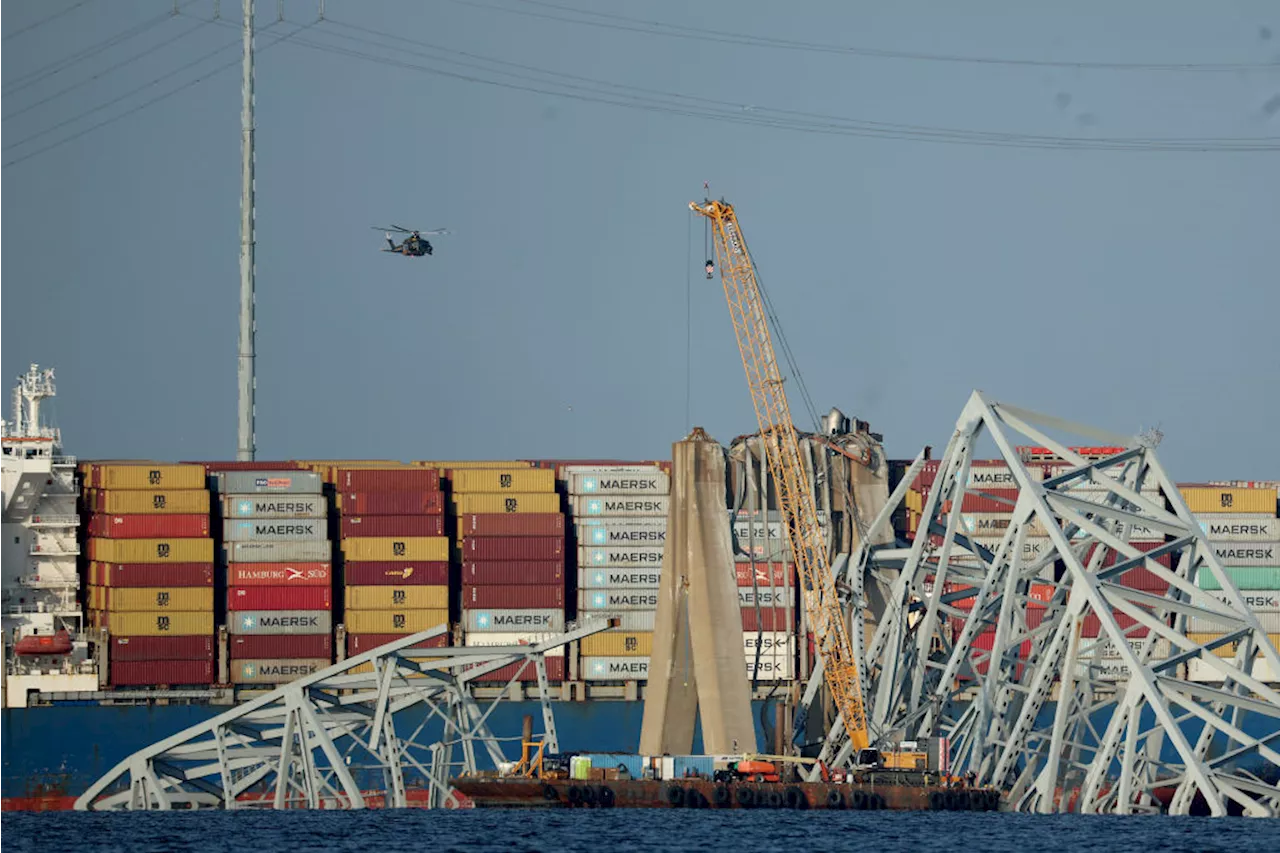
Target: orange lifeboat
[{"x": 58, "y": 643}]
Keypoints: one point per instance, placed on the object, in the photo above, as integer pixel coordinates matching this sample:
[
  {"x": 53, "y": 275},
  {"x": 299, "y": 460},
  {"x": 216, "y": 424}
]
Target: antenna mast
[{"x": 246, "y": 441}]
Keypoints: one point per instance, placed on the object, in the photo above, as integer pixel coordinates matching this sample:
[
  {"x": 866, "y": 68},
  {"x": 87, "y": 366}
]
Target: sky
[{"x": 932, "y": 195}]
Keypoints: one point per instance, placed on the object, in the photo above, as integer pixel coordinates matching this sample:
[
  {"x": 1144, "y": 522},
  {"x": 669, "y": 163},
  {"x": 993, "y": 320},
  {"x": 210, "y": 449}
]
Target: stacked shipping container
[
  {"x": 620, "y": 525},
  {"x": 279, "y": 571},
  {"x": 765, "y": 573},
  {"x": 150, "y": 571}
]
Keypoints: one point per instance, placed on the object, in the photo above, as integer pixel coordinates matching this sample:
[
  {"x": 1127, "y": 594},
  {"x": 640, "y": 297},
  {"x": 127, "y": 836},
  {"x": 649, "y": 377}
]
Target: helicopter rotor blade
[{"x": 392, "y": 228}]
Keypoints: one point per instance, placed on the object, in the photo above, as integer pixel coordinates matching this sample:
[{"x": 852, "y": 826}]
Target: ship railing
[
  {"x": 64, "y": 461},
  {"x": 55, "y": 521},
  {"x": 38, "y": 551}
]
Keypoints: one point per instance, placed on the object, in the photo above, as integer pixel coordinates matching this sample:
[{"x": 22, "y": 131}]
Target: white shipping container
[
  {"x": 1031, "y": 548},
  {"x": 617, "y": 599},
  {"x": 619, "y": 579},
  {"x": 485, "y": 638},
  {"x": 1264, "y": 604},
  {"x": 614, "y": 669},
  {"x": 629, "y": 557},
  {"x": 274, "y": 506},
  {"x": 513, "y": 621},
  {"x": 619, "y": 506},
  {"x": 1247, "y": 553},
  {"x": 984, "y": 477},
  {"x": 274, "y": 671},
  {"x": 765, "y": 596},
  {"x": 606, "y": 481},
  {"x": 1202, "y": 672},
  {"x": 317, "y": 551},
  {"x": 991, "y": 524},
  {"x": 285, "y": 622},
  {"x": 771, "y": 669},
  {"x": 628, "y": 620},
  {"x": 268, "y": 482},
  {"x": 1239, "y": 528},
  {"x": 599, "y": 532},
  {"x": 275, "y": 529}
]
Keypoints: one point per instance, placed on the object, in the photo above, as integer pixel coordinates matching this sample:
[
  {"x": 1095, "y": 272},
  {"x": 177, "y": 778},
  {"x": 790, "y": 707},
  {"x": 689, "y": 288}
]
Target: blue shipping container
[
  {"x": 702, "y": 765},
  {"x": 610, "y": 760}
]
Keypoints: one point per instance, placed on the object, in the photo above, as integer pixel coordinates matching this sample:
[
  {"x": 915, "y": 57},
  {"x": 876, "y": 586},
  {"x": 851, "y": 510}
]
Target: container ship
[{"x": 141, "y": 597}]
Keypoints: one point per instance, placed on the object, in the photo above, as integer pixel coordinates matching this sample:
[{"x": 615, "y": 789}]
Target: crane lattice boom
[{"x": 790, "y": 477}]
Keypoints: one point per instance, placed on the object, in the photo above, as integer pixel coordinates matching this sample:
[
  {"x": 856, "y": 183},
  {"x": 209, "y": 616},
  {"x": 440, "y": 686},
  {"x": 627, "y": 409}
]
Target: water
[{"x": 625, "y": 831}]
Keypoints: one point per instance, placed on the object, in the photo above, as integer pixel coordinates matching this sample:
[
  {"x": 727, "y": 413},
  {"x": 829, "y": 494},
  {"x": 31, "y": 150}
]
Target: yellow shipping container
[
  {"x": 1226, "y": 650},
  {"x": 148, "y": 475},
  {"x": 470, "y": 480},
  {"x": 496, "y": 503},
  {"x": 426, "y": 548},
  {"x": 394, "y": 621},
  {"x": 618, "y": 644},
  {"x": 397, "y": 597},
  {"x": 1228, "y": 499},
  {"x": 151, "y": 550},
  {"x": 185, "y": 502},
  {"x": 148, "y": 599},
  {"x": 175, "y": 624},
  {"x": 915, "y": 501}
]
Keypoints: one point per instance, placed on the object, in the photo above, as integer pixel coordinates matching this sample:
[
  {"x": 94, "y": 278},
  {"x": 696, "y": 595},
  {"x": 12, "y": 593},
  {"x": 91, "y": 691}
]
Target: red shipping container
[
  {"x": 236, "y": 465},
  {"x": 387, "y": 480},
  {"x": 512, "y": 547},
  {"x": 1093, "y": 625},
  {"x": 279, "y": 574},
  {"x": 977, "y": 503},
  {"x": 768, "y": 619},
  {"x": 358, "y": 643},
  {"x": 392, "y": 503},
  {"x": 145, "y": 673},
  {"x": 985, "y": 642},
  {"x": 161, "y": 648},
  {"x": 766, "y": 574},
  {"x": 268, "y": 647},
  {"x": 527, "y": 670},
  {"x": 514, "y": 573},
  {"x": 512, "y": 524},
  {"x": 157, "y": 526},
  {"x": 388, "y": 573},
  {"x": 392, "y": 525},
  {"x": 151, "y": 574},
  {"x": 280, "y": 598},
  {"x": 512, "y": 597}
]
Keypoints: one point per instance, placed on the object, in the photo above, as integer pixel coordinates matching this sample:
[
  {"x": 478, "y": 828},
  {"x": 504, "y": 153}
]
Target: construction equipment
[{"x": 796, "y": 500}]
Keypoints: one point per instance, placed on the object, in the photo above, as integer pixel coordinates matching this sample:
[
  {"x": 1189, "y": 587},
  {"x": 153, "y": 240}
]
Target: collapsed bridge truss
[{"x": 983, "y": 640}]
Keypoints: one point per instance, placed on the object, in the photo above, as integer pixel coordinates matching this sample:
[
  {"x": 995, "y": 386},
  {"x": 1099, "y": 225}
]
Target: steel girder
[
  {"x": 331, "y": 740},
  {"x": 1131, "y": 731}
]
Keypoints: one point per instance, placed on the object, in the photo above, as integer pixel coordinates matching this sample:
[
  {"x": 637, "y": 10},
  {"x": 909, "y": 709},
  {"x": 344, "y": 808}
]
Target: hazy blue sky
[{"x": 1123, "y": 288}]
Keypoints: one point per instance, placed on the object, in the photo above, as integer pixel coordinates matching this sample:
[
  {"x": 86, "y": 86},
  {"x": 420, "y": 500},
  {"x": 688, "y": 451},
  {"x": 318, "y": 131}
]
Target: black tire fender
[
  {"x": 877, "y": 802},
  {"x": 588, "y": 795},
  {"x": 835, "y": 799},
  {"x": 675, "y": 796},
  {"x": 549, "y": 793},
  {"x": 575, "y": 794},
  {"x": 722, "y": 796},
  {"x": 977, "y": 801},
  {"x": 606, "y": 797},
  {"x": 937, "y": 802},
  {"x": 774, "y": 799},
  {"x": 858, "y": 799},
  {"x": 746, "y": 797}
]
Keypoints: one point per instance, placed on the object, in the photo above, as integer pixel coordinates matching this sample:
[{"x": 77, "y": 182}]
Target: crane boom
[{"x": 782, "y": 451}]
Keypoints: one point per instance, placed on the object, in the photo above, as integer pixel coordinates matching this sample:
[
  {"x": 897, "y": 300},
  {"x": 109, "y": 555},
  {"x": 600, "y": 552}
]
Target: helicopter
[{"x": 413, "y": 245}]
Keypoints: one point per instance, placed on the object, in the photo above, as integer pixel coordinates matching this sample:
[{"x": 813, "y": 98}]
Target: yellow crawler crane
[{"x": 782, "y": 449}]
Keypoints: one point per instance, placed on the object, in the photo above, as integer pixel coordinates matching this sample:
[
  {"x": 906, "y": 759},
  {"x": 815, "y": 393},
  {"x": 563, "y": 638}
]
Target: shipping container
[
  {"x": 158, "y": 624},
  {"x": 151, "y": 574},
  {"x": 477, "y": 503},
  {"x": 524, "y": 672},
  {"x": 617, "y": 599},
  {"x": 463, "y": 464},
  {"x": 513, "y": 620},
  {"x": 279, "y": 574},
  {"x": 604, "y": 481},
  {"x": 265, "y": 646},
  {"x": 620, "y": 506},
  {"x": 413, "y": 597},
  {"x": 396, "y": 573},
  {"x": 765, "y": 619},
  {"x": 1225, "y": 499},
  {"x": 513, "y": 597},
  {"x": 186, "y": 502},
  {"x": 395, "y": 621},
  {"x": 766, "y": 596},
  {"x": 279, "y": 552},
  {"x": 1240, "y": 528},
  {"x": 280, "y": 622},
  {"x": 387, "y": 480},
  {"x": 160, "y": 673},
  {"x": 382, "y": 548},
  {"x": 610, "y": 533},
  {"x": 514, "y": 573},
  {"x": 195, "y": 647},
  {"x": 268, "y": 482},
  {"x": 148, "y": 476},
  {"x": 148, "y": 526},
  {"x": 619, "y": 578},
  {"x": 1251, "y": 578},
  {"x": 279, "y": 598},
  {"x": 146, "y": 599},
  {"x": 392, "y": 525},
  {"x": 287, "y": 506},
  {"x": 391, "y": 503},
  {"x": 513, "y": 524},
  {"x": 275, "y": 670},
  {"x": 1247, "y": 553},
  {"x": 525, "y": 638},
  {"x": 617, "y": 644},
  {"x": 212, "y": 467},
  {"x": 488, "y": 548},
  {"x": 630, "y": 557},
  {"x": 1268, "y": 619},
  {"x": 503, "y": 480},
  {"x": 151, "y": 550},
  {"x": 275, "y": 529},
  {"x": 360, "y": 643},
  {"x": 764, "y": 574},
  {"x": 1229, "y": 650},
  {"x": 614, "y": 669}
]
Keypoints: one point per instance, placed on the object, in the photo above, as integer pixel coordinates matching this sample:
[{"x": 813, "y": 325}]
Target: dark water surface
[{"x": 624, "y": 831}]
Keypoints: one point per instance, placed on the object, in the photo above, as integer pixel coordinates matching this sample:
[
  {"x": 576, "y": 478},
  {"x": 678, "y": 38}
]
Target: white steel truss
[
  {"x": 330, "y": 740},
  {"x": 1131, "y": 731}
]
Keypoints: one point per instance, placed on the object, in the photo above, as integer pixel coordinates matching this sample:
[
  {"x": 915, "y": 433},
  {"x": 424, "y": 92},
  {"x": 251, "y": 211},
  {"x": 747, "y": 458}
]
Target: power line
[
  {"x": 44, "y": 21},
  {"x": 660, "y": 28}
]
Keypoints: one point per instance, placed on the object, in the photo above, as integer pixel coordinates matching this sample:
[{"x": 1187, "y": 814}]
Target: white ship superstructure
[{"x": 40, "y": 547}]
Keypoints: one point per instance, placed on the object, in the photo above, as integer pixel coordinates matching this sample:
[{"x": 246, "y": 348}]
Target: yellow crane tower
[{"x": 782, "y": 449}]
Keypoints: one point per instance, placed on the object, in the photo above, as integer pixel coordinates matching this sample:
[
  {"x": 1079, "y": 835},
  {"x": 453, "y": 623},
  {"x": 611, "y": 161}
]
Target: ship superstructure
[{"x": 45, "y": 648}]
